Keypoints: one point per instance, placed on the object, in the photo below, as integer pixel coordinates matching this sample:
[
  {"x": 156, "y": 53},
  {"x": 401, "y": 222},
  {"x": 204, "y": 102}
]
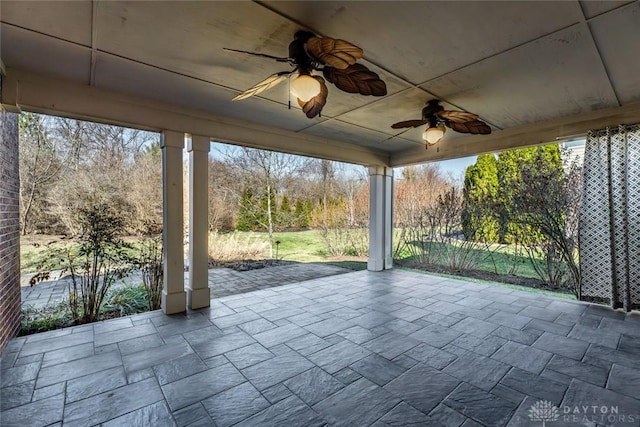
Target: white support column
[
  {"x": 173, "y": 295},
  {"x": 380, "y": 218},
  {"x": 198, "y": 294}
]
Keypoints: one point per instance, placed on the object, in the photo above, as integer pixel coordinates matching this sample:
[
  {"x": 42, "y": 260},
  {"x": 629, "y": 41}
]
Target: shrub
[
  {"x": 101, "y": 260},
  {"x": 49, "y": 317},
  {"x": 150, "y": 265},
  {"x": 127, "y": 300}
]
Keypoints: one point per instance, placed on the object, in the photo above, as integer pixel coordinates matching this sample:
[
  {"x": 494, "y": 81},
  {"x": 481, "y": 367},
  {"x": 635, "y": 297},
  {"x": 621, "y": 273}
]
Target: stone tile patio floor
[
  {"x": 222, "y": 281},
  {"x": 386, "y": 349}
]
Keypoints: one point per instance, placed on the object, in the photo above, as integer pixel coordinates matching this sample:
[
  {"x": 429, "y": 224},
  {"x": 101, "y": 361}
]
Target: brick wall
[{"x": 9, "y": 228}]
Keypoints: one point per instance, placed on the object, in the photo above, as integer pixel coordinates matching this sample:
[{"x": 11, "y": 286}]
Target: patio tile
[
  {"x": 190, "y": 414},
  {"x": 523, "y": 357},
  {"x": 55, "y": 343},
  {"x": 155, "y": 356},
  {"x": 543, "y": 325},
  {"x": 480, "y": 405},
  {"x": 359, "y": 403},
  {"x": 249, "y": 355},
  {"x": 279, "y": 335},
  {"x": 436, "y": 335},
  {"x": 391, "y": 345},
  {"x": 522, "y": 337},
  {"x": 422, "y": 387},
  {"x": 377, "y": 369},
  {"x": 432, "y": 356},
  {"x": 222, "y": 344},
  {"x": 625, "y": 380},
  {"x": 372, "y": 319},
  {"x": 257, "y": 326},
  {"x": 90, "y": 385},
  {"x": 234, "y": 405},
  {"x": 270, "y": 372},
  {"x": 534, "y": 385},
  {"x": 629, "y": 344},
  {"x": 112, "y": 325},
  {"x": 115, "y": 336},
  {"x": 16, "y": 395},
  {"x": 189, "y": 390},
  {"x": 67, "y": 354},
  {"x": 475, "y": 327},
  {"x": 347, "y": 376},
  {"x": 606, "y": 338},
  {"x": 631, "y": 360},
  {"x": 446, "y": 416},
  {"x": 485, "y": 346},
  {"x": 138, "y": 344},
  {"x": 329, "y": 326},
  {"x": 480, "y": 371},
  {"x": 313, "y": 385},
  {"x": 176, "y": 369},
  {"x": 291, "y": 411},
  {"x": 515, "y": 321},
  {"x": 307, "y": 344},
  {"x": 558, "y": 344},
  {"x": 48, "y": 391},
  {"x": 580, "y": 394},
  {"x": 77, "y": 368},
  {"x": 338, "y": 356},
  {"x": 386, "y": 341},
  {"x": 235, "y": 319},
  {"x": 540, "y": 313},
  {"x": 20, "y": 374},
  {"x": 276, "y": 393},
  {"x": 156, "y": 415},
  {"x": 359, "y": 335},
  {"x": 40, "y": 413},
  {"x": 576, "y": 369},
  {"x": 405, "y": 415},
  {"x": 140, "y": 375},
  {"x": 112, "y": 404}
]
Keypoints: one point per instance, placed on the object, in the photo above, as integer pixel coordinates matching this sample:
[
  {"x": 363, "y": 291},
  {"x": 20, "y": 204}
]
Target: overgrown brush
[{"x": 227, "y": 247}]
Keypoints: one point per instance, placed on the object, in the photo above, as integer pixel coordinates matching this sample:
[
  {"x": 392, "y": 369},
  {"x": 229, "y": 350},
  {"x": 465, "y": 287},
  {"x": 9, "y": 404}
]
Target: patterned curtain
[{"x": 610, "y": 218}]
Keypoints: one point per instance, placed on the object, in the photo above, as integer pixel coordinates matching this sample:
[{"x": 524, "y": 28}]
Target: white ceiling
[{"x": 514, "y": 63}]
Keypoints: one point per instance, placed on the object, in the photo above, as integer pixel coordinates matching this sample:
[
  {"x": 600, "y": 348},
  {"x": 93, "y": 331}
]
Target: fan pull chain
[{"x": 289, "y": 89}]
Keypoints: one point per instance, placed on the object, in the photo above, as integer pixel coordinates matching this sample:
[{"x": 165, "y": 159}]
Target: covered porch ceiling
[{"x": 535, "y": 71}]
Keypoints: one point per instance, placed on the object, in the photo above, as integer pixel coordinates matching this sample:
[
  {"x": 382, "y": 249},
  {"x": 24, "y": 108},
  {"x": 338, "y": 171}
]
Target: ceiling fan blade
[
  {"x": 457, "y": 116},
  {"x": 268, "y": 83},
  {"x": 336, "y": 53},
  {"x": 277, "y": 58},
  {"x": 356, "y": 78},
  {"x": 475, "y": 127},
  {"x": 313, "y": 107},
  {"x": 409, "y": 124}
]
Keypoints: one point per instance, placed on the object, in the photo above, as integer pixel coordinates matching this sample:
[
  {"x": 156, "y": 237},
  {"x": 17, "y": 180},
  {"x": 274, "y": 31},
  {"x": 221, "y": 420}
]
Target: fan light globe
[
  {"x": 305, "y": 87},
  {"x": 432, "y": 135}
]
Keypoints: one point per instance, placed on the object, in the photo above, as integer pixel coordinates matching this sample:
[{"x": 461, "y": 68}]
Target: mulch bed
[
  {"x": 250, "y": 264},
  {"x": 528, "y": 282}
]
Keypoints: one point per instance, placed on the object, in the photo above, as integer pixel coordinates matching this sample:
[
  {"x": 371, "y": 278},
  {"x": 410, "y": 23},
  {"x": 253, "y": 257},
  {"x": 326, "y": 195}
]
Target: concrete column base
[
  {"x": 198, "y": 298},
  {"x": 173, "y": 303}
]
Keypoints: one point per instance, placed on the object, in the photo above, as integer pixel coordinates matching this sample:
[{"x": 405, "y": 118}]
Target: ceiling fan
[
  {"x": 335, "y": 58},
  {"x": 437, "y": 118}
]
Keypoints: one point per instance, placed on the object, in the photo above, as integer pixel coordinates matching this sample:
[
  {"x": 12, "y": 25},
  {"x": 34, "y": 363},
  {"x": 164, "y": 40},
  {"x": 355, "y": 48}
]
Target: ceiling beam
[
  {"x": 32, "y": 92},
  {"x": 522, "y": 136}
]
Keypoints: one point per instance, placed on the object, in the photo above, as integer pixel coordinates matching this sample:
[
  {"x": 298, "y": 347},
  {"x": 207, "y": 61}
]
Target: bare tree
[
  {"x": 265, "y": 171},
  {"x": 42, "y": 158}
]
